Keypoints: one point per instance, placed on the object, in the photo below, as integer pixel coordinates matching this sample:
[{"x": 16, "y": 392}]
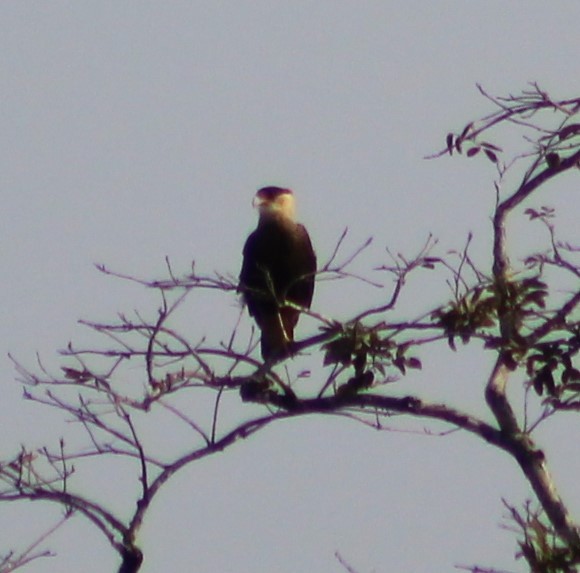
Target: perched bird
[{"x": 279, "y": 266}]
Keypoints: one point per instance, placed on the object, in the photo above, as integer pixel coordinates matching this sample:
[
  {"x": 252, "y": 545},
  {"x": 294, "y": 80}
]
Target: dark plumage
[{"x": 279, "y": 266}]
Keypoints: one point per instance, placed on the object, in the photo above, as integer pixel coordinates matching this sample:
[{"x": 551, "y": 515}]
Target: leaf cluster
[
  {"x": 467, "y": 141},
  {"x": 540, "y": 545},
  {"x": 368, "y": 351},
  {"x": 480, "y": 311},
  {"x": 550, "y": 366}
]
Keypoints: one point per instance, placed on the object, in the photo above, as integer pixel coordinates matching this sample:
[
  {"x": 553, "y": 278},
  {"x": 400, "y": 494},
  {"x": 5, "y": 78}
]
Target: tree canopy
[{"x": 522, "y": 311}]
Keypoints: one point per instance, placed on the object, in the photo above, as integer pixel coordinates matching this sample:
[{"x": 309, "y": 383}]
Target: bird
[{"x": 279, "y": 267}]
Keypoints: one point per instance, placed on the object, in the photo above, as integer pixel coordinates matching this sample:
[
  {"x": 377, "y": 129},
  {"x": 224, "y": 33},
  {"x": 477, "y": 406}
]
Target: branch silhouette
[{"x": 513, "y": 311}]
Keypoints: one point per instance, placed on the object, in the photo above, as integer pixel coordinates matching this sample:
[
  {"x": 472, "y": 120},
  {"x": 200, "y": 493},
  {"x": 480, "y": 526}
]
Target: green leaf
[
  {"x": 414, "y": 363},
  {"x": 451, "y": 342},
  {"x": 491, "y": 155}
]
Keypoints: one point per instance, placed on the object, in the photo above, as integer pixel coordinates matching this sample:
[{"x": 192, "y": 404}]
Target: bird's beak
[{"x": 257, "y": 202}]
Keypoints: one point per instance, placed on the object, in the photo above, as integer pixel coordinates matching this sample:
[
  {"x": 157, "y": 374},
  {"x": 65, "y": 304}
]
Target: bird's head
[{"x": 275, "y": 203}]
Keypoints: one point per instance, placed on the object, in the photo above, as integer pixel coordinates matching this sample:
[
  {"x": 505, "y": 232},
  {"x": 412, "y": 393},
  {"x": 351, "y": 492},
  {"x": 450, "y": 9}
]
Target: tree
[{"x": 524, "y": 313}]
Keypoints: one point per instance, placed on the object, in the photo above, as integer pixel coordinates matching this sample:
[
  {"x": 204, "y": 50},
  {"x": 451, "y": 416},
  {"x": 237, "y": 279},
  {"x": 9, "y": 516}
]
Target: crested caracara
[{"x": 279, "y": 266}]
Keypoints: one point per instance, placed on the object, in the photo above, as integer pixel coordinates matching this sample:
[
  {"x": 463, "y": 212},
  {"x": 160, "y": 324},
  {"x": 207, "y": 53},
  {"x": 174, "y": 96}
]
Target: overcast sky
[{"x": 131, "y": 131}]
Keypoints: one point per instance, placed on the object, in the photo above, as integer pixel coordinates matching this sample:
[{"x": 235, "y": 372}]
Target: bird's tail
[{"x": 278, "y": 333}]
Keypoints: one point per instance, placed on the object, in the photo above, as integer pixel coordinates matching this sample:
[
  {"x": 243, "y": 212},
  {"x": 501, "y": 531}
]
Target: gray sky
[{"x": 135, "y": 130}]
